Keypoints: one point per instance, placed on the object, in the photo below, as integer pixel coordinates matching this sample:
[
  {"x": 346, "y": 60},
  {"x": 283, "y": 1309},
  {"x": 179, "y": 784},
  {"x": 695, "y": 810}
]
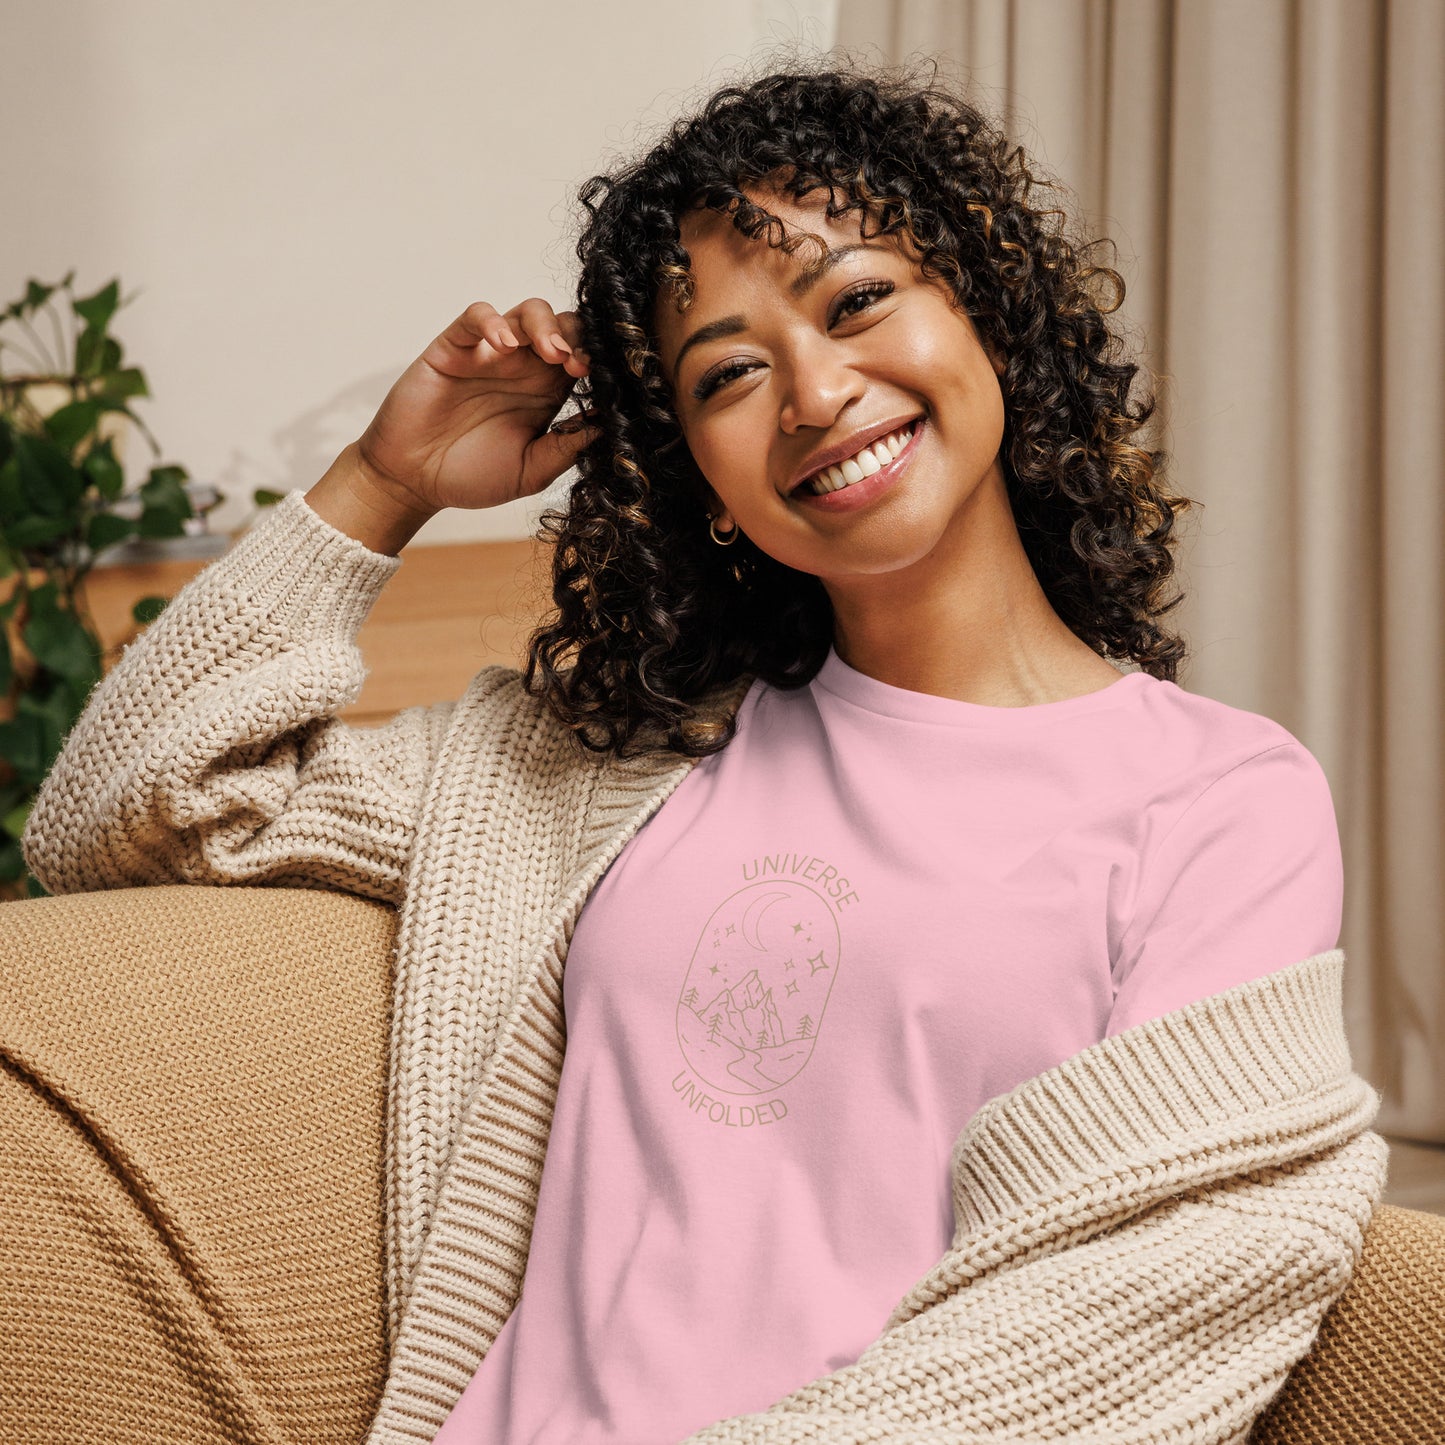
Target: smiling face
[{"x": 783, "y": 371}]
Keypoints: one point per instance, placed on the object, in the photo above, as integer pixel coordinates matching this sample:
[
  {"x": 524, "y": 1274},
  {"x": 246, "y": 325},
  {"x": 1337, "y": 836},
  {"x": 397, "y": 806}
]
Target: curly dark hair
[{"x": 650, "y": 614}]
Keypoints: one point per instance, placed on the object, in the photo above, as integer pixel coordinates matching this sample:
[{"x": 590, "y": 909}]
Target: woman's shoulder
[{"x": 1197, "y": 741}]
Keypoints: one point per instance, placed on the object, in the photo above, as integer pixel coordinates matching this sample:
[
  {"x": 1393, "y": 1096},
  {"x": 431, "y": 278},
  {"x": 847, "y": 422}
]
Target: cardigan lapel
[{"x": 466, "y": 1148}]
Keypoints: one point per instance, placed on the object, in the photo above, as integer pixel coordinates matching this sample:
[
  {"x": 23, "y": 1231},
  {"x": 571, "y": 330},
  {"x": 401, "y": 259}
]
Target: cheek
[
  {"x": 961, "y": 376},
  {"x": 727, "y": 452},
  {"x": 948, "y": 352}
]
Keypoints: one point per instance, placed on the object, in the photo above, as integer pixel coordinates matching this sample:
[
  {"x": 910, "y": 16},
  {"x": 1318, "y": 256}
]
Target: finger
[
  {"x": 553, "y": 452},
  {"x": 570, "y": 325},
  {"x": 543, "y": 331},
  {"x": 480, "y": 322},
  {"x": 585, "y": 419}
]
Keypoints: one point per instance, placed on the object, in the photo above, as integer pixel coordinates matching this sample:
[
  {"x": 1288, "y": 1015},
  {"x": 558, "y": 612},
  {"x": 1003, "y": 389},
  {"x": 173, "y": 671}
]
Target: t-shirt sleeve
[{"x": 1247, "y": 881}]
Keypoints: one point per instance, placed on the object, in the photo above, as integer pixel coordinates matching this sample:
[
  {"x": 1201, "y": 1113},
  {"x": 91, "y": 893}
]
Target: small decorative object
[{"x": 64, "y": 410}]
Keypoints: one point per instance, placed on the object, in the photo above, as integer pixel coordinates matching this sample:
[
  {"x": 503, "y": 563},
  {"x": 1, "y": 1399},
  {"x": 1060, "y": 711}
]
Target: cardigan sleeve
[
  {"x": 210, "y": 752},
  {"x": 1148, "y": 1239},
  {"x": 1179, "y": 1326},
  {"x": 1248, "y": 879}
]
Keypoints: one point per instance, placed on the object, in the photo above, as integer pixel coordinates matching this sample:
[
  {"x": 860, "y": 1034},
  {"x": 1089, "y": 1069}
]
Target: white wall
[{"x": 300, "y": 196}]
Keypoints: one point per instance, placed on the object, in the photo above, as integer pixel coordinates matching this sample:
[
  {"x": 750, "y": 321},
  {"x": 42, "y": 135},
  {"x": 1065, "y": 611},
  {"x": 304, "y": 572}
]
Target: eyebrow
[{"x": 798, "y": 288}]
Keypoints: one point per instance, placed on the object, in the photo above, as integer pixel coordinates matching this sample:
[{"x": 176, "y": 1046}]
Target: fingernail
[
  {"x": 508, "y": 337},
  {"x": 559, "y": 342}
]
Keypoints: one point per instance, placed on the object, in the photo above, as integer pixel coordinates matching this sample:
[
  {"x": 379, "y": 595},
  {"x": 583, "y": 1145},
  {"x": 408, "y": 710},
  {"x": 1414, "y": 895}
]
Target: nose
[{"x": 820, "y": 382}]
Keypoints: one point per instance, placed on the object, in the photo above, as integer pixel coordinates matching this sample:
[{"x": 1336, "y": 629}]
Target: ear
[{"x": 716, "y": 508}]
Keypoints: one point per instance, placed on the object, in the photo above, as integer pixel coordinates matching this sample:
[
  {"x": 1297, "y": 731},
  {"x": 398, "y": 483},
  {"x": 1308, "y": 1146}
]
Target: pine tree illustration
[{"x": 805, "y": 1027}]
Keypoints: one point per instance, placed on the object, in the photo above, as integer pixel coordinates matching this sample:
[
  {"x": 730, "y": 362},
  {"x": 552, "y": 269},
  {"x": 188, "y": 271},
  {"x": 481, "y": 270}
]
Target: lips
[
  {"x": 850, "y": 447},
  {"x": 864, "y": 494}
]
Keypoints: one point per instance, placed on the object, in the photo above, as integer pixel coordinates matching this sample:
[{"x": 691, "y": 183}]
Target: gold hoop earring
[{"x": 727, "y": 541}]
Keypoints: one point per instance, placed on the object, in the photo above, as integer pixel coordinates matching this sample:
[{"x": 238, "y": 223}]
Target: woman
[{"x": 939, "y": 1003}]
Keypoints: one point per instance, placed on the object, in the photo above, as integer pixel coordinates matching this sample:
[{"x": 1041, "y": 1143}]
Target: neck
[{"x": 968, "y": 620}]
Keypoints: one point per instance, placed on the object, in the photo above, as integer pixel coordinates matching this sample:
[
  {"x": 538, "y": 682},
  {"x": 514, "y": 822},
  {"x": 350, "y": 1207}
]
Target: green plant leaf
[
  {"x": 41, "y": 722},
  {"x": 264, "y": 497},
  {"x": 36, "y": 295},
  {"x": 102, "y": 468},
  {"x": 45, "y": 596},
  {"x": 166, "y": 483},
  {"x": 12, "y": 861},
  {"x": 13, "y": 822},
  {"x": 70, "y": 698},
  {"x": 96, "y": 310},
  {"x": 90, "y": 352},
  {"x": 22, "y": 745},
  {"x": 35, "y": 530},
  {"x": 105, "y": 529},
  {"x": 51, "y": 484},
  {"x": 66, "y": 426},
  {"x": 167, "y": 506},
  {"x": 109, "y": 355},
  {"x": 7, "y": 666},
  {"x": 129, "y": 381},
  {"x": 148, "y": 609},
  {"x": 12, "y": 494},
  {"x": 60, "y": 642}
]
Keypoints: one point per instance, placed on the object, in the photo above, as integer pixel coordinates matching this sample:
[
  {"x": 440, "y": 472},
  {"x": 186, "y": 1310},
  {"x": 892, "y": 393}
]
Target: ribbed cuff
[{"x": 319, "y": 577}]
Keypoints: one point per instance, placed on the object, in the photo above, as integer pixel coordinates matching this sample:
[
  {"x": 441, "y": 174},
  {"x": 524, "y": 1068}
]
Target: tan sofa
[{"x": 191, "y": 1176}]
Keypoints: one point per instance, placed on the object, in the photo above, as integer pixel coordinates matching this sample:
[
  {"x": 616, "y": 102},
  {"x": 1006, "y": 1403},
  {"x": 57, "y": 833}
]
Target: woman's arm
[
  {"x": 358, "y": 502},
  {"x": 210, "y": 752}
]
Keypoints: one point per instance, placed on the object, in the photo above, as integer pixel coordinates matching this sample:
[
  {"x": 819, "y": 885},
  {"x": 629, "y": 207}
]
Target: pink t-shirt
[{"x": 873, "y": 911}]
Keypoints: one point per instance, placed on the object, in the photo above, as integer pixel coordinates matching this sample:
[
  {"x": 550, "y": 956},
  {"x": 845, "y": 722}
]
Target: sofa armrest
[
  {"x": 192, "y": 1113},
  {"x": 1376, "y": 1371}
]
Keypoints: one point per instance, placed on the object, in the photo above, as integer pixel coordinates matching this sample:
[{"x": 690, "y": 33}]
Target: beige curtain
[{"x": 1273, "y": 172}]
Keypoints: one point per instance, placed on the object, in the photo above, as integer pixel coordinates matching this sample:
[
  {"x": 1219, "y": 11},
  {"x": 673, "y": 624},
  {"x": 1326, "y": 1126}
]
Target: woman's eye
[
  {"x": 715, "y": 379},
  {"x": 870, "y": 291}
]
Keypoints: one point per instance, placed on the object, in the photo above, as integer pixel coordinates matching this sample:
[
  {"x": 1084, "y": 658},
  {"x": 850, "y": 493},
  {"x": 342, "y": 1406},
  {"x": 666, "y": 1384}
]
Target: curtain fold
[{"x": 1273, "y": 175}]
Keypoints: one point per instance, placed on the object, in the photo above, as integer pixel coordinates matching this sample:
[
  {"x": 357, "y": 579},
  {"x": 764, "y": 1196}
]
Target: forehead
[
  {"x": 706, "y": 230},
  {"x": 726, "y": 265}
]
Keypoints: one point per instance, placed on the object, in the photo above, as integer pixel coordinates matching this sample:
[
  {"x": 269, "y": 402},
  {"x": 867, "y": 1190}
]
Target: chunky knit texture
[{"x": 1148, "y": 1235}]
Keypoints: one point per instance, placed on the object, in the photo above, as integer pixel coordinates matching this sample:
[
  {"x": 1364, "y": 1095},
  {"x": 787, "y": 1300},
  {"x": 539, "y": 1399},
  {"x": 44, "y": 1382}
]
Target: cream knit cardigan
[{"x": 1147, "y": 1236}]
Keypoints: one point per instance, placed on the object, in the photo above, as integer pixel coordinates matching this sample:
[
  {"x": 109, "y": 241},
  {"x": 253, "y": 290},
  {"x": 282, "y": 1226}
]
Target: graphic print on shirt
[{"x": 757, "y": 987}]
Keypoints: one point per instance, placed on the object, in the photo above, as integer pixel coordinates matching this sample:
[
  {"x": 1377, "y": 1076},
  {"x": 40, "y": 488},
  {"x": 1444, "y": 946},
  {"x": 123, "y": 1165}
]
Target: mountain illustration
[{"x": 744, "y": 1015}]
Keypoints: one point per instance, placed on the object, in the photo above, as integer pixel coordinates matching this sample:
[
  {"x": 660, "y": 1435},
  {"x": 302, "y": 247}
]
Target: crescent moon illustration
[{"x": 753, "y": 916}]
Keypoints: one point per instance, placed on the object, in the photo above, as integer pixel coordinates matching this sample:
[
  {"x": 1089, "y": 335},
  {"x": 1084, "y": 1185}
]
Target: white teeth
[{"x": 871, "y": 459}]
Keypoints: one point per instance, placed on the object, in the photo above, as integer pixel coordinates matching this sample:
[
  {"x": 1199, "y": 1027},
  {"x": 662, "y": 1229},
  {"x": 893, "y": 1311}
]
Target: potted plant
[{"x": 64, "y": 410}]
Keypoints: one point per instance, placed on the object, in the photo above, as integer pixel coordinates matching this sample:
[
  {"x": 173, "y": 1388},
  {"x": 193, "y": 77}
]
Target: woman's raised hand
[{"x": 467, "y": 423}]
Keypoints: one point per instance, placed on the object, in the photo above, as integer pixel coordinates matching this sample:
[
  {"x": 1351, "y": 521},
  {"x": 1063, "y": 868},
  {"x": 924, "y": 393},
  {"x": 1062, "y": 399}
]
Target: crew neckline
[{"x": 858, "y": 688}]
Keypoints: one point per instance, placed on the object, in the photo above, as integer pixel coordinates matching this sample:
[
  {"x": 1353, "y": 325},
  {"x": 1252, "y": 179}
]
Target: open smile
[{"x": 853, "y": 495}]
